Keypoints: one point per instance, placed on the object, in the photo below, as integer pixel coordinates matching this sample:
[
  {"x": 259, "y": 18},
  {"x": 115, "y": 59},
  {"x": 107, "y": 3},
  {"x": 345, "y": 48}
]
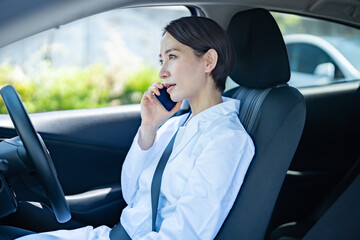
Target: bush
[
  {"x": 75, "y": 88},
  {"x": 14, "y": 76},
  {"x": 137, "y": 83}
]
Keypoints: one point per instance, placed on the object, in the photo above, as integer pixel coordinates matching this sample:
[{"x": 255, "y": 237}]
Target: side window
[
  {"x": 319, "y": 50},
  {"x": 103, "y": 60}
]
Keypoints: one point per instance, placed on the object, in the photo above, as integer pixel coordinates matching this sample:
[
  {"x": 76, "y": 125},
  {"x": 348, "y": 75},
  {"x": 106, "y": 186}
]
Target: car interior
[{"x": 303, "y": 182}]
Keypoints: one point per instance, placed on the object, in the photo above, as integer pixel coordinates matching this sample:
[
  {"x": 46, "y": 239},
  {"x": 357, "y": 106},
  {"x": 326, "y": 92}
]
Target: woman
[{"x": 211, "y": 152}]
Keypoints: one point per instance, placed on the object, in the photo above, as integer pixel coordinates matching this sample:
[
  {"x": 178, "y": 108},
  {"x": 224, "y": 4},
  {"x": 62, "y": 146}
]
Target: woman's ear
[{"x": 211, "y": 58}]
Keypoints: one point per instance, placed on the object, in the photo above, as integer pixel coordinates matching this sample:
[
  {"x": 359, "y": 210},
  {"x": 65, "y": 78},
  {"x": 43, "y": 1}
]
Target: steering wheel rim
[{"x": 36, "y": 149}]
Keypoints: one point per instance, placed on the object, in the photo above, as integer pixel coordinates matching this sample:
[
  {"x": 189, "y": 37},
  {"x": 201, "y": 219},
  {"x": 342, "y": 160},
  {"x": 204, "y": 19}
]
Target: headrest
[{"x": 261, "y": 59}]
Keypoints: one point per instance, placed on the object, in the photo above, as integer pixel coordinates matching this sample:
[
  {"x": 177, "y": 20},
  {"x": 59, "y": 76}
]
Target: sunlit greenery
[
  {"x": 49, "y": 88},
  {"x": 75, "y": 88},
  {"x": 14, "y": 76},
  {"x": 287, "y": 22},
  {"x": 137, "y": 84}
]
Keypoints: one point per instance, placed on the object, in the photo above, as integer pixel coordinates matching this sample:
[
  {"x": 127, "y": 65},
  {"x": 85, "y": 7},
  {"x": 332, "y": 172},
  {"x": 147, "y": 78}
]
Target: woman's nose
[{"x": 163, "y": 74}]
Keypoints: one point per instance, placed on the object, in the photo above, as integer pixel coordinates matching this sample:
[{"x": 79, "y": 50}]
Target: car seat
[{"x": 272, "y": 112}]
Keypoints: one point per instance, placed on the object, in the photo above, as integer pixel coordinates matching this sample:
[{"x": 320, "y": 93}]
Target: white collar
[{"x": 228, "y": 106}]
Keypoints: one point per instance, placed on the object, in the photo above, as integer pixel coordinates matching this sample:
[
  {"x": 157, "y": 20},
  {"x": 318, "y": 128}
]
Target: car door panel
[
  {"x": 98, "y": 206},
  {"x": 88, "y": 148},
  {"x": 328, "y": 146}
]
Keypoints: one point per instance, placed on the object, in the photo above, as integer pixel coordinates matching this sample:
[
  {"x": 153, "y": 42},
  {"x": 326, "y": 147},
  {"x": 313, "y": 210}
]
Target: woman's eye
[{"x": 171, "y": 56}]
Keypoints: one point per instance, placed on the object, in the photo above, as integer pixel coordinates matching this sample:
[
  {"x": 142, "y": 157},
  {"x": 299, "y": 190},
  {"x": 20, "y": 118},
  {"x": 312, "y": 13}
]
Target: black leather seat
[
  {"x": 336, "y": 218},
  {"x": 272, "y": 112}
]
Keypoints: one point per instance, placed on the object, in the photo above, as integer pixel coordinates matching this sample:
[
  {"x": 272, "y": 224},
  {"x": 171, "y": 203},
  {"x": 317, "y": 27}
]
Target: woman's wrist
[
  {"x": 147, "y": 135},
  {"x": 148, "y": 128}
]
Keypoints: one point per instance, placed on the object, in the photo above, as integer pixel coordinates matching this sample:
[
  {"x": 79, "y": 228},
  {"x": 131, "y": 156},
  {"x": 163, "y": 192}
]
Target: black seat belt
[
  {"x": 156, "y": 182},
  {"x": 118, "y": 231}
]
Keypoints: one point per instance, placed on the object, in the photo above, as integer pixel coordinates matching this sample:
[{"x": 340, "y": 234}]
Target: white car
[{"x": 316, "y": 60}]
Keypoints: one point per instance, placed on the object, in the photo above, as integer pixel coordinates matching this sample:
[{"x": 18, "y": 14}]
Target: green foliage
[
  {"x": 137, "y": 83},
  {"x": 14, "y": 76},
  {"x": 288, "y": 23},
  {"x": 74, "y": 88}
]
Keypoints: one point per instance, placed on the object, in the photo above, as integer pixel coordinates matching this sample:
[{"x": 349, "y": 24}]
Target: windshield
[{"x": 349, "y": 47}]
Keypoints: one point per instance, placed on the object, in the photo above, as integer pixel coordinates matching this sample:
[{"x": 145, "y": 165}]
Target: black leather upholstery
[
  {"x": 261, "y": 59},
  {"x": 340, "y": 206},
  {"x": 262, "y": 64},
  {"x": 341, "y": 220}
]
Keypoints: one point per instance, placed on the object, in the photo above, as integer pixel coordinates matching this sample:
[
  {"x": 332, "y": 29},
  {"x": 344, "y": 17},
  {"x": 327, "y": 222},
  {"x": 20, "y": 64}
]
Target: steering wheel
[{"x": 36, "y": 149}]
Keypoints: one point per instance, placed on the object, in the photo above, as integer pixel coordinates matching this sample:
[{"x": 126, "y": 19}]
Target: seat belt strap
[{"x": 156, "y": 182}]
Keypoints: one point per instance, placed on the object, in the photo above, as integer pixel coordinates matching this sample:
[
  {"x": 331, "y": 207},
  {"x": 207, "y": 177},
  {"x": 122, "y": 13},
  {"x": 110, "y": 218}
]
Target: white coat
[
  {"x": 200, "y": 182},
  {"x": 201, "y": 179}
]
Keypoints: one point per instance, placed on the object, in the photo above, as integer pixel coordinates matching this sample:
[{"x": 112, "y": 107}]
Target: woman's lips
[{"x": 170, "y": 88}]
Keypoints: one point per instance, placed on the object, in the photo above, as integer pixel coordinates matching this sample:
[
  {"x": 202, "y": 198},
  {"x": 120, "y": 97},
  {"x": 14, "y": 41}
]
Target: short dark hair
[{"x": 202, "y": 34}]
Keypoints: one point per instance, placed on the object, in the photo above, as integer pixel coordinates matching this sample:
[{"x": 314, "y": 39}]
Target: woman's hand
[{"x": 153, "y": 114}]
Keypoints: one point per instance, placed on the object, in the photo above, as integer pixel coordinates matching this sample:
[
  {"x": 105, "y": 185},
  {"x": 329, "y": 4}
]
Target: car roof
[{"x": 22, "y": 18}]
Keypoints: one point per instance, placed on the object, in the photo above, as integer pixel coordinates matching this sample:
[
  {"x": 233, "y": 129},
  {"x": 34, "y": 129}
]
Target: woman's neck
[{"x": 204, "y": 102}]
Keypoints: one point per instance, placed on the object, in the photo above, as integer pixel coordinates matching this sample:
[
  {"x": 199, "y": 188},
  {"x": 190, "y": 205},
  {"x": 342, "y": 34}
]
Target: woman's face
[{"x": 182, "y": 71}]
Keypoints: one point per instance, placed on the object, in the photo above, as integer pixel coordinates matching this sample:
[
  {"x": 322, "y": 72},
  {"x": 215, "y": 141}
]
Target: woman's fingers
[
  {"x": 149, "y": 96},
  {"x": 159, "y": 84},
  {"x": 154, "y": 88}
]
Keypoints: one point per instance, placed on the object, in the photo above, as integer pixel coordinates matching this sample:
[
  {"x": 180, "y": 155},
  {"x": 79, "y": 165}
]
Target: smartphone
[{"x": 165, "y": 100}]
